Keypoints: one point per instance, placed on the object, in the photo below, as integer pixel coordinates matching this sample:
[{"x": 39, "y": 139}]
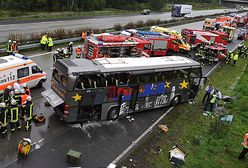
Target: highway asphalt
[
  {"x": 94, "y": 22},
  {"x": 100, "y": 143}
]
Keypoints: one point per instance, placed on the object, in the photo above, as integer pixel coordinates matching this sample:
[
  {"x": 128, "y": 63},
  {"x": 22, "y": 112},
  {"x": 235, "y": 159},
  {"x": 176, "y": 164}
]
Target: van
[{"x": 19, "y": 67}]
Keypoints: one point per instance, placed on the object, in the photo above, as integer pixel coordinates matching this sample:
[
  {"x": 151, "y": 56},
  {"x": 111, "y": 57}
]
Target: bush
[
  {"x": 139, "y": 23},
  {"x": 129, "y": 25},
  {"x": 150, "y": 22},
  {"x": 117, "y": 27}
]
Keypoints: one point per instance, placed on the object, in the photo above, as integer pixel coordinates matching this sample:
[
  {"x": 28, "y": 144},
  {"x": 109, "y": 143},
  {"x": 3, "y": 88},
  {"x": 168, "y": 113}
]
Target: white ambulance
[{"x": 20, "y": 67}]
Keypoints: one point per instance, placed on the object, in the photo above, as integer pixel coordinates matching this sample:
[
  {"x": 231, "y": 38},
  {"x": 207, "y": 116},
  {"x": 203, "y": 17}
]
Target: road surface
[
  {"x": 99, "y": 143},
  {"x": 93, "y": 22}
]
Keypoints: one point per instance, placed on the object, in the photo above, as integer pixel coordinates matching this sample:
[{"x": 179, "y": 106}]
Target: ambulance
[{"x": 19, "y": 67}]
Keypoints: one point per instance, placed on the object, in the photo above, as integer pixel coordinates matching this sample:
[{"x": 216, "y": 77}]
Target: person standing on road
[
  {"x": 50, "y": 44},
  {"x": 6, "y": 97},
  {"x": 8, "y": 47},
  {"x": 70, "y": 49},
  {"x": 3, "y": 119},
  {"x": 43, "y": 42},
  {"x": 28, "y": 113},
  {"x": 235, "y": 58},
  {"x": 14, "y": 113},
  {"x": 209, "y": 92},
  {"x": 78, "y": 52},
  {"x": 14, "y": 47},
  {"x": 245, "y": 147}
]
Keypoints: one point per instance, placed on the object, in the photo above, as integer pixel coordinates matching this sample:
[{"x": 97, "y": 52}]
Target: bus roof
[
  {"x": 12, "y": 61},
  {"x": 108, "y": 65}
]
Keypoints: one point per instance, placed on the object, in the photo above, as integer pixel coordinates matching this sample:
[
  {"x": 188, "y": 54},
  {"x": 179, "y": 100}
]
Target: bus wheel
[
  {"x": 113, "y": 113},
  {"x": 175, "y": 101},
  {"x": 39, "y": 85}
]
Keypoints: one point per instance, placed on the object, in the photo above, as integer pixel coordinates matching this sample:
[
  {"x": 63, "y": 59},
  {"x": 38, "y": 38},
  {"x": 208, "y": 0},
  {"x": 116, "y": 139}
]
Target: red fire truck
[
  {"x": 98, "y": 46},
  {"x": 195, "y": 37}
]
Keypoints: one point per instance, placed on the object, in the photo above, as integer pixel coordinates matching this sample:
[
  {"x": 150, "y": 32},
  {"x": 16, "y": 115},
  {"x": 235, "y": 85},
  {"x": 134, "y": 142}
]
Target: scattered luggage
[{"x": 24, "y": 147}]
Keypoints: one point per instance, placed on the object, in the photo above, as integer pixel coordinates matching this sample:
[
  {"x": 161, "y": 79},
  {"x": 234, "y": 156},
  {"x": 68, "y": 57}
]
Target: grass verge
[{"x": 207, "y": 146}]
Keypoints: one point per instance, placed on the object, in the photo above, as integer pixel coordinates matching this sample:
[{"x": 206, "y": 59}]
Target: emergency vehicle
[
  {"x": 209, "y": 23},
  {"x": 183, "y": 45},
  {"x": 195, "y": 37},
  {"x": 19, "y": 67},
  {"x": 230, "y": 31},
  {"x": 106, "y": 45},
  {"x": 241, "y": 20}
]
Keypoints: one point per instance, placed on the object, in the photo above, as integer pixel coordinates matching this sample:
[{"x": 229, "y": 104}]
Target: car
[
  {"x": 232, "y": 14},
  {"x": 146, "y": 12},
  {"x": 242, "y": 34}
]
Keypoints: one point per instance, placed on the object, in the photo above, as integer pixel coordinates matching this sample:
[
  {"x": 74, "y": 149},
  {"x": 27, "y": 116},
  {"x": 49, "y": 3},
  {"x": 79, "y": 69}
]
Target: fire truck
[
  {"x": 107, "y": 45},
  {"x": 195, "y": 37},
  {"x": 241, "y": 20},
  {"x": 230, "y": 31}
]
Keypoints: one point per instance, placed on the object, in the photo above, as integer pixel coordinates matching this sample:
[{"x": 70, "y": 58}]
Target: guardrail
[{"x": 169, "y": 24}]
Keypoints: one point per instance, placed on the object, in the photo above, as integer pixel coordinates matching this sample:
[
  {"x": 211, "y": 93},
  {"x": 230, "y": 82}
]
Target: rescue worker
[
  {"x": 84, "y": 35},
  {"x": 49, "y": 44},
  {"x": 17, "y": 97},
  {"x": 228, "y": 58},
  {"x": 8, "y": 47},
  {"x": 245, "y": 147},
  {"x": 26, "y": 89},
  {"x": 3, "y": 119},
  {"x": 14, "y": 114},
  {"x": 70, "y": 49},
  {"x": 7, "y": 95},
  {"x": 78, "y": 52},
  {"x": 14, "y": 47},
  {"x": 209, "y": 91},
  {"x": 28, "y": 113},
  {"x": 211, "y": 57},
  {"x": 212, "y": 101},
  {"x": 235, "y": 58},
  {"x": 43, "y": 42},
  {"x": 24, "y": 97}
]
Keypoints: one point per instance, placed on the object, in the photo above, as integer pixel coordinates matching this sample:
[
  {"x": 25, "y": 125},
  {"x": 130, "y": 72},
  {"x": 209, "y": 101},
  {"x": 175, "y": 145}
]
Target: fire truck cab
[{"x": 230, "y": 31}]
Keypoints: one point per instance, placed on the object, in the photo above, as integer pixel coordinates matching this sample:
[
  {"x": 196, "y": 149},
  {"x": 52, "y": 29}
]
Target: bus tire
[
  {"x": 175, "y": 101},
  {"x": 113, "y": 113},
  {"x": 39, "y": 85}
]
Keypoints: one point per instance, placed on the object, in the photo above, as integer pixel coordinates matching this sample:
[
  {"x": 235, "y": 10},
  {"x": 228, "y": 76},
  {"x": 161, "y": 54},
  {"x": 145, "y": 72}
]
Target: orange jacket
[
  {"x": 24, "y": 98},
  {"x": 245, "y": 144},
  {"x": 78, "y": 50}
]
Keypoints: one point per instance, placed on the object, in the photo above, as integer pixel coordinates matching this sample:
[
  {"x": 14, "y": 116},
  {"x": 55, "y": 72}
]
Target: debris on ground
[
  {"x": 177, "y": 155},
  {"x": 111, "y": 165},
  {"x": 24, "y": 147},
  {"x": 73, "y": 157},
  {"x": 158, "y": 150},
  {"x": 163, "y": 128},
  {"x": 229, "y": 98},
  {"x": 130, "y": 119},
  {"x": 39, "y": 118}
]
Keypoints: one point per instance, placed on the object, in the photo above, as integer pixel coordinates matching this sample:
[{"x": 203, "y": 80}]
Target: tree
[{"x": 156, "y": 4}]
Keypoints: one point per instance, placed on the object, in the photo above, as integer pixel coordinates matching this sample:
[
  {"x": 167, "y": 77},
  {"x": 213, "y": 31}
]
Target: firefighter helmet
[
  {"x": 29, "y": 98},
  {"x": 2, "y": 104}
]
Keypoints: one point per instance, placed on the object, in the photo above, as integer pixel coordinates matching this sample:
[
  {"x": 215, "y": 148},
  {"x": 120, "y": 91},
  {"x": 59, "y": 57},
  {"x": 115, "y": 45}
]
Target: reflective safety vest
[
  {"x": 28, "y": 110},
  {"x": 43, "y": 40},
  {"x": 50, "y": 42},
  {"x": 213, "y": 98},
  {"x": 9, "y": 48},
  {"x": 4, "y": 117},
  {"x": 17, "y": 98},
  {"x": 14, "y": 114},
  {"x": 78, "y": 50},
  {"x": 245, "y": 144},
  {"x": 236, "y": 57},
  {"x": 232, "y": 55}
]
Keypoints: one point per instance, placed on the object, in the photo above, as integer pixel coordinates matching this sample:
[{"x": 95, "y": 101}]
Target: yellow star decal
[
  {"x": 184, "y": 84},
  {"x": 167, "y": 84},
  {"x": 77, "y": 97}
]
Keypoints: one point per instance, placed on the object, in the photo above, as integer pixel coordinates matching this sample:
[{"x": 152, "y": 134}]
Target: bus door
[{"x": 134, "y": 96}]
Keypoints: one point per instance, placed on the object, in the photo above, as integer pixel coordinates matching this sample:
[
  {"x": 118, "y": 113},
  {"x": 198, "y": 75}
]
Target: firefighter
[
  {"x": 70, "y": 49},
  {"x": 3, "y": 119},
  {"x": 14, "y": 114},
  {"x": 28, "y": 113},
  {"x": 78, "y": 52},
  {"x": 17, "y": 97},
  {"x": 8, "y": 47},
  {"x": 49, "y": 44},
  {"x": 235, "y": 58},
  {"x": 7, "y": 95},
  {"x": 245, "y": 147},
  {"x": 26, "y": 89},
  {"x": 14, "y": 47},
  {"x": 211, "y": 57}
]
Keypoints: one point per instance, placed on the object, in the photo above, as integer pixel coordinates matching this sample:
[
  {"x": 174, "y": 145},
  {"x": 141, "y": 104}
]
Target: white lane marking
[{"x": 140, "y": 137}]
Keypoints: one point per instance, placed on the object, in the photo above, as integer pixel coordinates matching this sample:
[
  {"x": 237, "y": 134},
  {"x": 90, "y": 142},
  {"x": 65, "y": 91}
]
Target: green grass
[{"x": 207, "y": 146}]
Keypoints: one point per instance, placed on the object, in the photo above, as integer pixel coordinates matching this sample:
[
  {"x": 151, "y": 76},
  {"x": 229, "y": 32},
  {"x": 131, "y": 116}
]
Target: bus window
[
  {"x": 64, "y": 80},
  {"x": 112, "y": 80},
  {"x": 123, "y": 79},
  {"x": 134, "y": 79},
  {"x": 56, "y": 75},
  {"x": 181, "y": 74},
  {"x": 160, "y": 77},
  {"x": 82, "y": 83},
  {"x": 195, "y": 73},
  {"x": 146, "y": 78},
  {"x": 168, "y": 75}
]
